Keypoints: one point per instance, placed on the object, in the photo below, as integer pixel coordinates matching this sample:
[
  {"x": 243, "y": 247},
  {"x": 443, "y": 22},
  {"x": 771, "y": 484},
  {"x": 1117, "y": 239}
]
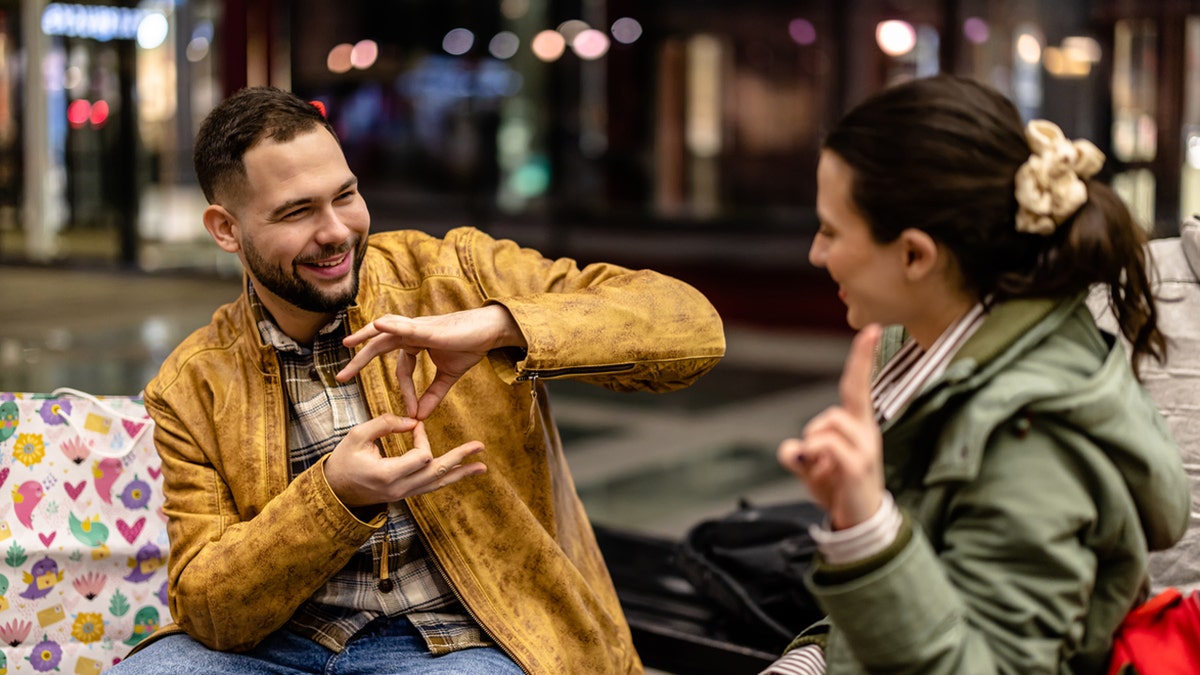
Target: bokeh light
[
  {"x": 458, "y": 41},
  {"x": 364, "y": 53},
  {"x": 626, "y": 30},
  {"x": 976, "y": 30},
  {"x": 73, "y": 78},
  {"x": 338, "y": 60},
  {"x": 198, "y": 46},
  {"x": 548, "y": 45},
  {"x": 99, "y": 114},
  {"x": 531, "y": 179},
  {"x": 1029, "y": 48},
  {"x": 514, "y": 9},
  {"x": 895, "y": 37},
  {"x": 571, "y": 28},
  {"x": 197, "y": 49},
  {"x": 152, "y": 30},
  {"x": 802, "y": 31},
  {"x": 78, "y": 113},
  {"x": 591, "y": 44},
  {"x": 504, "y": 45}
]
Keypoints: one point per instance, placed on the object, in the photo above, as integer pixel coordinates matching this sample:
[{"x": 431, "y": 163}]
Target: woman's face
[{"x": 870, "y": 276}]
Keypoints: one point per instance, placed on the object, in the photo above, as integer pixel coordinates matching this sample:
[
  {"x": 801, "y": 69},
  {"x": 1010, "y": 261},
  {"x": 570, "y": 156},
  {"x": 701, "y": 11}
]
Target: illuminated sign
[{"x": 98, "y": 22}]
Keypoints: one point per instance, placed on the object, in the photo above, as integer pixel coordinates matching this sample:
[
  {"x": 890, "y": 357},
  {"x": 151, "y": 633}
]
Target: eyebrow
[{"x": 279, "y": 211}]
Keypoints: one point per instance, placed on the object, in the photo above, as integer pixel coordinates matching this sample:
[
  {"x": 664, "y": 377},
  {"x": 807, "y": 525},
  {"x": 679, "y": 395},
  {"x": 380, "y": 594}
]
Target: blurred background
[{"x": 675, "y": 134}]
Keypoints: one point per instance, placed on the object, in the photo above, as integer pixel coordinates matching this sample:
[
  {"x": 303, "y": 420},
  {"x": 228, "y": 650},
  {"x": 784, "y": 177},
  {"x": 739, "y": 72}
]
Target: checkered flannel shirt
[{"x": 321, "y": 412}]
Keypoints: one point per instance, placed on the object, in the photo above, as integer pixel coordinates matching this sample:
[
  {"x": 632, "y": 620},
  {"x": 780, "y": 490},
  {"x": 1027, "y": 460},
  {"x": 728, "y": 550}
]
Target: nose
[
  {"x": 331, "y": 229},
  {"x": 817, "y": 252}
]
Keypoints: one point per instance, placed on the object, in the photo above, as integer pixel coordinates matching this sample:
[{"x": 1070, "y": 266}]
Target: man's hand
[
  {"x": 455, "y": 343},
  {"x": 360, "y": 476},
  {"x": 840, "y": 458}
]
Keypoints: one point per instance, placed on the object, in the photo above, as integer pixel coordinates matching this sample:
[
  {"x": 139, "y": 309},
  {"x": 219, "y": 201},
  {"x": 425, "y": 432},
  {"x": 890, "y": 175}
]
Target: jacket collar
[{"x": 1011, "y": 330}]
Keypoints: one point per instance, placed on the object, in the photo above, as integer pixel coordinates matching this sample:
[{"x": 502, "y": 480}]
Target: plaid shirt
[{"x": 322, "y": 411}]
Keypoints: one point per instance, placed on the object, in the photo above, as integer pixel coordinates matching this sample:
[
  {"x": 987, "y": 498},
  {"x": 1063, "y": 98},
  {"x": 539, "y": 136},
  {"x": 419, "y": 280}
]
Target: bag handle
[{"x": 78, "y": 426}]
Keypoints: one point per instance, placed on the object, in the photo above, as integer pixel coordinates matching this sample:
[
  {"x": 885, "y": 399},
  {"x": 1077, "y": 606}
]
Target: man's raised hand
[{"x": 455, "y": 342}]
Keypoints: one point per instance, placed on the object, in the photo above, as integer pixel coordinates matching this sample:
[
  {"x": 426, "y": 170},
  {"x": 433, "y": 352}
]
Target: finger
[
  {"x": 406, "y": 365},
  {"x": 855, "y": 431},
  {"x": 378, "y": 427},
  {"x": 855, "y": 385},
  {"x": 434, "y": 394},
  {"x": 351, "y": 369},
  {"x": 376, "y": 346},
  {"x": 361, "y": 335},
  {"x": 420, "y": 437},
  {"x": 791, "y": 455},
  {"x": 450, "y": 477}
]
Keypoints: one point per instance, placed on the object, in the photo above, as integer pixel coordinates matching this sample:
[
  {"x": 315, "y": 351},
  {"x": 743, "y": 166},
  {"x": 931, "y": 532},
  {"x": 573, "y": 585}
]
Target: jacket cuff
[
  {"x": 815, "y": 634},
  {"x": 922, "y": 604},
  {"x": 826, "y": 574},
  {"x": 338, "y": 516}
]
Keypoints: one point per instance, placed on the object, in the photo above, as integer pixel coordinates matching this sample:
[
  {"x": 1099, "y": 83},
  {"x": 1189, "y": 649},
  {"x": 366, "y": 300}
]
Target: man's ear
[
  {"x": 921, "y": 253},
  {"x": 222, "y": 226}
]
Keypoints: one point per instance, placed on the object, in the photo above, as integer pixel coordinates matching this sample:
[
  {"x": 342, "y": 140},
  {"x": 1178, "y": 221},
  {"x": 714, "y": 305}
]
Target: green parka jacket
[
  {"x": 1033, "y": 476},
  {"x": 249, "y": 545}
]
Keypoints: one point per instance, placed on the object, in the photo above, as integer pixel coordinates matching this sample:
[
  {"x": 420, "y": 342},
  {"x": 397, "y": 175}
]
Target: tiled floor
[{"x": 654, "y": 464}]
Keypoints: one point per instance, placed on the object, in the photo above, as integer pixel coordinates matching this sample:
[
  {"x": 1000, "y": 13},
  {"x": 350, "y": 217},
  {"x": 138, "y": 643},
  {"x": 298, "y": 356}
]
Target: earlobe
[{"x": 222, "y": 227}]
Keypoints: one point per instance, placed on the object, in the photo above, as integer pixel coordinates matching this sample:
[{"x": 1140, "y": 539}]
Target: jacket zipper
[{"x": 566, "y": 372}]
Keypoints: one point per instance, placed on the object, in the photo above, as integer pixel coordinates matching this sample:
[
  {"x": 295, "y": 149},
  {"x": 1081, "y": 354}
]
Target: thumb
[
  {"x": 855, "y": 385},
  {"x": 378, "y": 427}
]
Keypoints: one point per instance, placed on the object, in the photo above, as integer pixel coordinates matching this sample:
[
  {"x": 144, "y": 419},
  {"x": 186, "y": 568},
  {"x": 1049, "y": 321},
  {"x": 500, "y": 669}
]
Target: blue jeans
[{"x": 382, "y": 648}]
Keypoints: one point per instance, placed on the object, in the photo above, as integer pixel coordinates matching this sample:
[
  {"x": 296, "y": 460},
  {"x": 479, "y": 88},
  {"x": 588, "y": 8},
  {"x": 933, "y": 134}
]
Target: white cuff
[{"x": 864, "y": 539}]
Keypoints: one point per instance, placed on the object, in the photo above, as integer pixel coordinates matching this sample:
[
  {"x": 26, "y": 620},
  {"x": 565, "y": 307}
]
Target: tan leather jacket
[{"x": 248, "y": 546}]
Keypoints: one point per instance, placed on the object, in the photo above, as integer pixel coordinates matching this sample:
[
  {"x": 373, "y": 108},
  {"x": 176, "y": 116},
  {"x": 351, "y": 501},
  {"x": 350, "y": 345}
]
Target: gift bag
[
  {"x": 83, "y": 542},
  {"x": 1159, "y": 637}
]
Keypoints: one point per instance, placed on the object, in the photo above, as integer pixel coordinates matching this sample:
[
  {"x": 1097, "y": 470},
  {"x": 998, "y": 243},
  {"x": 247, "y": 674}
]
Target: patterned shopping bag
[{"x": 83, "y": 541}]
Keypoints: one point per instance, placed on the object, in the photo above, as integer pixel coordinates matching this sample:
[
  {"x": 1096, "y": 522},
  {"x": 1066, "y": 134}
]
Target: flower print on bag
[{"x": 29, "y": 449}]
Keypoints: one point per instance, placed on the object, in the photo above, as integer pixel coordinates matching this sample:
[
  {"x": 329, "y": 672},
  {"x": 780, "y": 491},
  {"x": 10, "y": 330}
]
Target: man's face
[{"x": 302, "y": 223}]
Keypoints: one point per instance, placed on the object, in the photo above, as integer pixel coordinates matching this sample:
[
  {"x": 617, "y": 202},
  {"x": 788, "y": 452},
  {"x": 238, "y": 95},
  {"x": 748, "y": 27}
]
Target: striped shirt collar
[{"x": 911, "y": 368}]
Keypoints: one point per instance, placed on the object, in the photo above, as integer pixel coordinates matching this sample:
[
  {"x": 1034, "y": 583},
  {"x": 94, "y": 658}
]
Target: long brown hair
[{"x": 940, "y": 154}]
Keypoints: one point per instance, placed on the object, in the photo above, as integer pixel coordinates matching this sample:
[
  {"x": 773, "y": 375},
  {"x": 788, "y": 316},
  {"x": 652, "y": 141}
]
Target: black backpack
[{"x": 752, "y": 563}]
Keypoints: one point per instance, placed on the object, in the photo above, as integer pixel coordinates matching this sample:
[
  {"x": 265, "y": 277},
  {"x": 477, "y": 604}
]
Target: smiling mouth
[
  {"x": 338, "y": 259},
  {"x": 327, "y": 263}
]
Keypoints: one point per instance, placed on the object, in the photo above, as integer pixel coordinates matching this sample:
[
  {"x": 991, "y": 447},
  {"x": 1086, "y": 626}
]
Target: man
[{"x": 323, "y": 516}]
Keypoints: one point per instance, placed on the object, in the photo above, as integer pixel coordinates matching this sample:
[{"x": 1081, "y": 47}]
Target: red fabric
[{"x": 1160, "y": 637}]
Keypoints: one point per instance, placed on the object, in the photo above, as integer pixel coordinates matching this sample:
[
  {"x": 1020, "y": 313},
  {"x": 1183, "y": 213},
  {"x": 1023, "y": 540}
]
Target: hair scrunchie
[{"x": 1049, "y": 185}]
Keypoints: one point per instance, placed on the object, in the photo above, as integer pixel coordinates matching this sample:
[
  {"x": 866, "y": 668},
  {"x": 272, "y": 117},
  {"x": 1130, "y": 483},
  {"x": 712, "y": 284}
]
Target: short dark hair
[
  {"x": 940, "y": 154},
  {"x": 241, "y": 121}
]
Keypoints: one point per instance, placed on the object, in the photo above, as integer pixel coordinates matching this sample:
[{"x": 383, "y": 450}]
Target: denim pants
[{"x": 384, "y": 647}]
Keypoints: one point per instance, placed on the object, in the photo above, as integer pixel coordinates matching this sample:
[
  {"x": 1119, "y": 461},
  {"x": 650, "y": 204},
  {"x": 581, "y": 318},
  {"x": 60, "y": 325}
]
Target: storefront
[
  {"x": 104, "y": 141},
  {"x": 679, "y": 116}
]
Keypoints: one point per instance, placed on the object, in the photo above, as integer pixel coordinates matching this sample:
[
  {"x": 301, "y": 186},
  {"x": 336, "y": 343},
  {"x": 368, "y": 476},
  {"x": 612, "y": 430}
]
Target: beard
[{"x": 290, "y": 287}]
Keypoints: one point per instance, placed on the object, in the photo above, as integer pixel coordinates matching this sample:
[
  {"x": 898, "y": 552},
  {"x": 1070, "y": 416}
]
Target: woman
[{"x": 993, "y": 488}]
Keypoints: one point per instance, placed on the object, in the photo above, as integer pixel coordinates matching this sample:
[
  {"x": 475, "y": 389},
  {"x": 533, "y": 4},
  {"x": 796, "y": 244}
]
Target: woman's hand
[{"x": 840, "y": 457}]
